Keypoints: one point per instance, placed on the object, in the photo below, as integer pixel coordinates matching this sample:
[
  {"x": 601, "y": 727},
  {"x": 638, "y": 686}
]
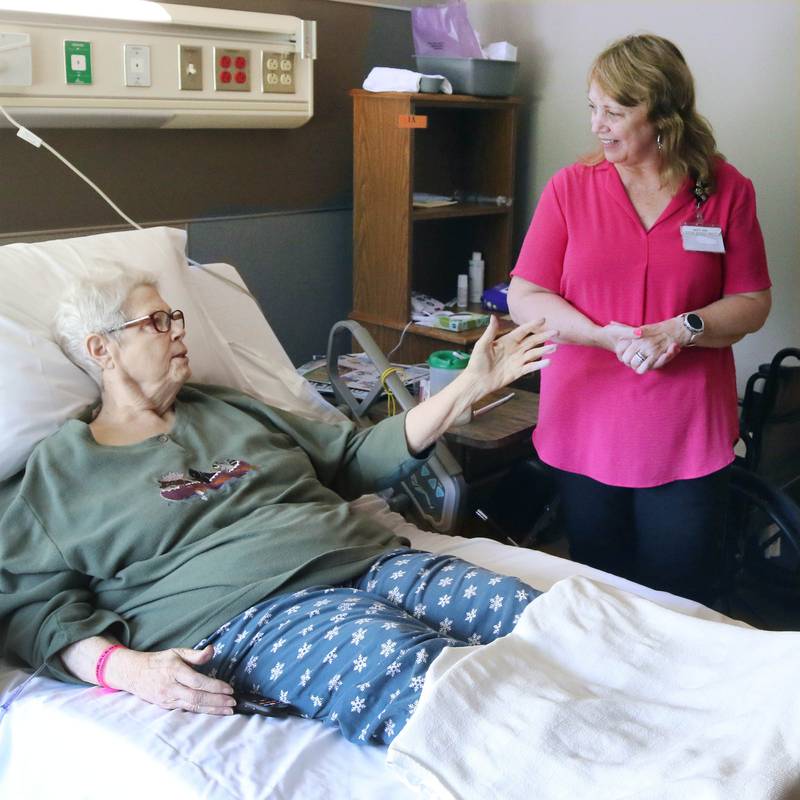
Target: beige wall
[{"x": 744, "y": 56}]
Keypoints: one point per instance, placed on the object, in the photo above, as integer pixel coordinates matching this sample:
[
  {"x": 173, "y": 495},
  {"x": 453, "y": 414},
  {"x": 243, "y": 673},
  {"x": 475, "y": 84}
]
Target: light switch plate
[{"x": 190, "y": 67}]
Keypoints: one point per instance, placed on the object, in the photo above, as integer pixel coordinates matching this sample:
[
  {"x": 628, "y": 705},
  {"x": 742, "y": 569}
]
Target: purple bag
[{"x": 444, "y": 31}]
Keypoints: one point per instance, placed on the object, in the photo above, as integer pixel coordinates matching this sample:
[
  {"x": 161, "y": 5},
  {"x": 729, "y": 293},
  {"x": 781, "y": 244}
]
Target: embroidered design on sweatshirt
[{"x": 177, "y": 486}]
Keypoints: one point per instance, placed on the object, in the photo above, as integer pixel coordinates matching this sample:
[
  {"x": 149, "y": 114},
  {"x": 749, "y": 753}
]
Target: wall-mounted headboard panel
[{"x": 155, "y": 65}]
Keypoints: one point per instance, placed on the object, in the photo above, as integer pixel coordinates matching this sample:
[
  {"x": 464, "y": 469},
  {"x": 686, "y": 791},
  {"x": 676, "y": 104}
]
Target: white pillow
[
  {"x": 39, "y": 387},
  {"x": 264, "y": 370}
]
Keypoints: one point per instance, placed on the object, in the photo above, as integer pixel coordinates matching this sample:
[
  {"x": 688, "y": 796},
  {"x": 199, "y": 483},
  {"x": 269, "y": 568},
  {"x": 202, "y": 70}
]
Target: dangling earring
[{"x": 658, "y": 142}]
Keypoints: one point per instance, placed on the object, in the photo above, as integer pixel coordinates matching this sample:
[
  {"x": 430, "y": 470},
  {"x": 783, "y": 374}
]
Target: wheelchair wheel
[{"x": 763, "y": 538}]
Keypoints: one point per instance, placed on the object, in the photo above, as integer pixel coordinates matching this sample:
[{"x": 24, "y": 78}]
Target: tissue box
[
  {"x": 501, "y": 51},
  {"x": 479, "y": 76},
  {"x": 462, "y": 322}
]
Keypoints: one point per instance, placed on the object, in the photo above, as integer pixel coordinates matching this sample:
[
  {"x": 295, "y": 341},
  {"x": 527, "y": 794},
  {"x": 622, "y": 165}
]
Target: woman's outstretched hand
[{"x": 497, "y": 361}]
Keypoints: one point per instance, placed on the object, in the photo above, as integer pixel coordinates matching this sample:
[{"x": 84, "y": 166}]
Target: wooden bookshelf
[{"x": 467, "y": 145}]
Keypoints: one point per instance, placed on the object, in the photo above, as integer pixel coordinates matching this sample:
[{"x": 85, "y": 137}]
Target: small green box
[
  {"x": 78, "y": 61},
  {"x": 462, "y": 322}
]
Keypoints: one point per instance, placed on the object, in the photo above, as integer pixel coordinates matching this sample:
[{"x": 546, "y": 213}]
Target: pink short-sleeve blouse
[{"x": 597, "y": 417}]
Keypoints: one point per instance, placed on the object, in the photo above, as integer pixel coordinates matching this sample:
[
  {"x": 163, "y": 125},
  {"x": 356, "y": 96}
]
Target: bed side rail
[{"x": 437, "y": 490}]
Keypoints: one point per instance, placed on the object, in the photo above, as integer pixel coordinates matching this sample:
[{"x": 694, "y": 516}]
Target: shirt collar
[{"x": 616, "y": 189}]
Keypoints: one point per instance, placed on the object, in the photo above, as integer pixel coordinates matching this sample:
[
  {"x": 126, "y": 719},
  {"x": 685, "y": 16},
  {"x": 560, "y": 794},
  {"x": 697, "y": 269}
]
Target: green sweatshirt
[{"x": 161, "y": 542}]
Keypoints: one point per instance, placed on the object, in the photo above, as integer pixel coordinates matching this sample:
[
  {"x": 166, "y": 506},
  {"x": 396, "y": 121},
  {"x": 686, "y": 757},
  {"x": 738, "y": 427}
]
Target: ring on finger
[{"x": 642, "y": 357}]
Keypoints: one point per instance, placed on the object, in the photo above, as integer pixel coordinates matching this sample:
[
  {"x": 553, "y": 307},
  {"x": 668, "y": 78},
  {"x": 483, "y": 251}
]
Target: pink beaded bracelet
[{"x": 100, "y": 667}]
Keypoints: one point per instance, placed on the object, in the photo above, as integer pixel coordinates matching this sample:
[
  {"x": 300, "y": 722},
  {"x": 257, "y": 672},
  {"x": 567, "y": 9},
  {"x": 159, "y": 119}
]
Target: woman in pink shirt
[{"x": 638, "y": 413}]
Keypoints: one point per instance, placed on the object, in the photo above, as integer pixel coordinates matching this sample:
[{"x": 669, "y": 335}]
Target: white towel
[
  {"x": 600, "y": 694},
  {"x": 388, "y": 79}
]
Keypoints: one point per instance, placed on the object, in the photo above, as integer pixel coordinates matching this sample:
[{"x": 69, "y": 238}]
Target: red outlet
[{"x": 232, "y": 69}]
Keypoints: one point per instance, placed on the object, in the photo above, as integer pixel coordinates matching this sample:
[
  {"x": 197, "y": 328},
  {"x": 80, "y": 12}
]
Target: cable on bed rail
[{"x": 19, "y": 690}]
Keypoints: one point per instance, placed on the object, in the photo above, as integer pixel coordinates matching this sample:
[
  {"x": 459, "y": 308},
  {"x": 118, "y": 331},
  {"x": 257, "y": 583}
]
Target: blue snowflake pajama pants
[{"x": 356, "y": 655}]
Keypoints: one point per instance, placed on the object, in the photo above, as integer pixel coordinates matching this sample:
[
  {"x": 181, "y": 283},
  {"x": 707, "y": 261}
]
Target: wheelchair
[{"x": 761, "y": 549}]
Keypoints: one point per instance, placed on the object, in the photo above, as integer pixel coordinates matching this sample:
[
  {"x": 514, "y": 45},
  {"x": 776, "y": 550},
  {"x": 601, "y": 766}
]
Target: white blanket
[{"x": 599, "y": 694}]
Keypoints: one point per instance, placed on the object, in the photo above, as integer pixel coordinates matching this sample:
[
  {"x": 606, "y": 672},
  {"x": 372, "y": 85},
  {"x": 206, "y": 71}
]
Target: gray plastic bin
[{"x": 479, "y": 76}]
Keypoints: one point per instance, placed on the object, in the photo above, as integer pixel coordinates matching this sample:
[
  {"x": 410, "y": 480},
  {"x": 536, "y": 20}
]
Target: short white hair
[{"x": 94, "y": 304}]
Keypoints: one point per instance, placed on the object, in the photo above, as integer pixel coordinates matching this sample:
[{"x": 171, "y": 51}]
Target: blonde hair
[{"x": 650, "y": 70}]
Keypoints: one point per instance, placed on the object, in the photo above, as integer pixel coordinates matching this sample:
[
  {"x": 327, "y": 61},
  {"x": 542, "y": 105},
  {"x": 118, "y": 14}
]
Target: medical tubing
[
  {"x": 20, "y": 689},
  {"x": 37, "y": 141}
]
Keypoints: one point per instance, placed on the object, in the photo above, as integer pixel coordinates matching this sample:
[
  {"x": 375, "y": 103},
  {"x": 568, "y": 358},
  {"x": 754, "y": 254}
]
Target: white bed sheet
[{"x": 73, "y": 742}]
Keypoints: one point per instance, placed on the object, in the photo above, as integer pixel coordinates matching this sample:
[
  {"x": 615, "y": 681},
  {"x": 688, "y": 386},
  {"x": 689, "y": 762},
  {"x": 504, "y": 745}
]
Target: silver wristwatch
[{"x": 695, "y": 325}]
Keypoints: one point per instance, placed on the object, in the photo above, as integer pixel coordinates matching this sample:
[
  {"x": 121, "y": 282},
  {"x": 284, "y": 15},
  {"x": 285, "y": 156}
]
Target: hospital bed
[{"x": 66, "y": 741}]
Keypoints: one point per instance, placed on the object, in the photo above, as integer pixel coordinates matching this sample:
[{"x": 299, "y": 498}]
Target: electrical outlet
[
  {"x": 190, "y": 67},
  {"x": 277, "y": 72},
  {"x": 231, "y": 70}
]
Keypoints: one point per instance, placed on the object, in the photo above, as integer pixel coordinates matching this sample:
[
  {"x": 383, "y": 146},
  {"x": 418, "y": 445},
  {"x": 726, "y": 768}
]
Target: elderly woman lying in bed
[{"x": 190, "y": 544}]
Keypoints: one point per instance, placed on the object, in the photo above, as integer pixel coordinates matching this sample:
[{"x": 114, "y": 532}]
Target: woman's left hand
[
  {"x": 649, "y": 346},
  {"x": 497, "y": 361}
]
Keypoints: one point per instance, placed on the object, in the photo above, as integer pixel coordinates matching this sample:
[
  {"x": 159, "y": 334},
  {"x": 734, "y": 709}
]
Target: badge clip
[{"x": 697, "y": 236}]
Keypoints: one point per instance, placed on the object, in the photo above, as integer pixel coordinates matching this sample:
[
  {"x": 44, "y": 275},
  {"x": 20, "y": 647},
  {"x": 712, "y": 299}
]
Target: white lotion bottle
[
  {"x": 476, "y": 270},
  {"x": 461, "y": 295}
]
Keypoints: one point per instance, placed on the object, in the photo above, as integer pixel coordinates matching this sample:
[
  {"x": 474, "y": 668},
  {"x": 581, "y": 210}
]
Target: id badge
[{"x": 702, "y": 238}]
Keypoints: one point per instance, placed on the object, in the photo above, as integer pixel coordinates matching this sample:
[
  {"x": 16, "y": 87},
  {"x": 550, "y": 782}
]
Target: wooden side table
[{"x": 494, "y": 441}]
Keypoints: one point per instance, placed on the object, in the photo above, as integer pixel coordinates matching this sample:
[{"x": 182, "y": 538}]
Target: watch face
[{"x": 695, "y": 322}]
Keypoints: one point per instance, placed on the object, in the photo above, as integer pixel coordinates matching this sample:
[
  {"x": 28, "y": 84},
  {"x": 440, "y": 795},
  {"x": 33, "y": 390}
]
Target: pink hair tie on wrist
[{"x": 100, "y": 667}]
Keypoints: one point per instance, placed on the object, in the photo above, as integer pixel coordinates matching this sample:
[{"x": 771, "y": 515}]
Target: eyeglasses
[{"x": 160, "y": 320}]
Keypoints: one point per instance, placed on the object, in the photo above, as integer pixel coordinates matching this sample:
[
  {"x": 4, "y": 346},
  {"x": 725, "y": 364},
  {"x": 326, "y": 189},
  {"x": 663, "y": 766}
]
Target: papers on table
[{"x": 358, "y": 372}]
